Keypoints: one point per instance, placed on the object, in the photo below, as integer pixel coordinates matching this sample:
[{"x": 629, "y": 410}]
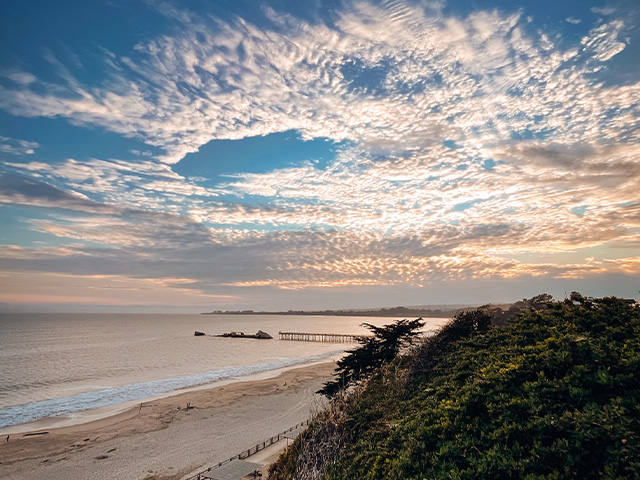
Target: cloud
[
  {"x": 573, "y": 20},
  {"x": 292, "y": 261},
  {"x": 603, "y": 41},
  {"x": 19, "y": 77},
  {"x": 216, "y": 79},
  {"x": 606, "y": 11},
  {"x": 417, "y": 195},
  {"x": 55, "y": 288},
  {"x": 473, "y": 139},
  {"x": 130, "y": 228},
  {"x": 14, "y": 146},
  {"x": 144, "y": 184},
  {"x": 16, "y": 189}
]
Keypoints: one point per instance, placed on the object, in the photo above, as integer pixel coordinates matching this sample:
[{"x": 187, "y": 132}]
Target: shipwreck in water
[{"x": 259, "y": 335}]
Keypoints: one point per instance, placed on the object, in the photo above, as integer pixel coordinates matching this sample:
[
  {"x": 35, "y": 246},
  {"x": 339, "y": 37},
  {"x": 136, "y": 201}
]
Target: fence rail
[{"x": 247, "y": 453}]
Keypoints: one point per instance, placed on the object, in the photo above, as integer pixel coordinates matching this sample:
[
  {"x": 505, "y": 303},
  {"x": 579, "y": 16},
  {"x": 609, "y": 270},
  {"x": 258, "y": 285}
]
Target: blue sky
[{"x": 163, "y": 156}]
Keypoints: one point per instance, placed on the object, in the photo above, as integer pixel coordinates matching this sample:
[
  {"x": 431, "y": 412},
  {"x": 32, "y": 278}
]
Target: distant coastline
[{"x": 380, "y": 312}]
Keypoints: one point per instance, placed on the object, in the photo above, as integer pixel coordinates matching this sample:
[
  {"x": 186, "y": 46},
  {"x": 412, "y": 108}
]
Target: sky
[{"x": 160, "y": 156}]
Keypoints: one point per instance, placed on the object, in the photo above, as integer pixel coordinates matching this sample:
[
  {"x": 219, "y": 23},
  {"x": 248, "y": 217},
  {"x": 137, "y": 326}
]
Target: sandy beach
[{"x": 164, "y": 440}]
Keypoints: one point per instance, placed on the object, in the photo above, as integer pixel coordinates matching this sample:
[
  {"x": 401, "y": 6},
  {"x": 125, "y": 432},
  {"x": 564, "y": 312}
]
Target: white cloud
[
  {"x": 22, "y": 78},
  {"x": 13, "y": 146},
  {"x": 538, "y": 135},
  {"x": 606, "y": 11},
  {"x": 603, "y": 40},
  {"x": 244, "y": 80},
  {"x": 144, "y": 184},
  {"x": 19, "y": 190}
]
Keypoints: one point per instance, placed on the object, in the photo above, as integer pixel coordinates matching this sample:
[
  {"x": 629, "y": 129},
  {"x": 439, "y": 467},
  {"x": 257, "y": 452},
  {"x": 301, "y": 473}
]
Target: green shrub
[{"x": 554, "y": 394}]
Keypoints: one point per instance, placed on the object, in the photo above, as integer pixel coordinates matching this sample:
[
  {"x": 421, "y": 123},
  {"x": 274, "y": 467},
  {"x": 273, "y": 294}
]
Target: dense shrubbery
[{"x": 554, "y": 394}]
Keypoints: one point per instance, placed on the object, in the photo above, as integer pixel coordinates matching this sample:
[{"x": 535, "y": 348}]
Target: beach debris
[
  {"x": 199, "y": 334},
  {"x": 34, "y": 433},
  {"x": 260, "y": 335}
]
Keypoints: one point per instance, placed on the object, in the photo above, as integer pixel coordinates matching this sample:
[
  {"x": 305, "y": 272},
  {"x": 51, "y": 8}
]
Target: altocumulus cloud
[{"x": 472, "y": 140}]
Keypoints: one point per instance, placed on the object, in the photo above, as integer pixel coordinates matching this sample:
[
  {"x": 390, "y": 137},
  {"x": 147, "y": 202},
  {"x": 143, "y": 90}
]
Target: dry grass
[{"x": 319, "y": 445}]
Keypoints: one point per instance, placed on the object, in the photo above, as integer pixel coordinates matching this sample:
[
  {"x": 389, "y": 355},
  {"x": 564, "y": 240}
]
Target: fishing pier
[{"x": 320, "y": 337}]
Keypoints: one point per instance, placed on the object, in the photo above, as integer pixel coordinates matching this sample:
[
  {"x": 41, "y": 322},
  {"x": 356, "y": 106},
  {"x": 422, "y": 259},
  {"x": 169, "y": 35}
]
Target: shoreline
[
  {"x": 221, "y": 420},
  {"x": 100, "y": 413}
]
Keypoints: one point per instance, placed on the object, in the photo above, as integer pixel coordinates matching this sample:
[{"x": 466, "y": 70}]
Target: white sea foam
[{"x": 110, "y": 396}]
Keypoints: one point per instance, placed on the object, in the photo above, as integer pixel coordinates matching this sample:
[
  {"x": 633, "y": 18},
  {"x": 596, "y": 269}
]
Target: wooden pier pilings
[{"x": 320, "y": 337}]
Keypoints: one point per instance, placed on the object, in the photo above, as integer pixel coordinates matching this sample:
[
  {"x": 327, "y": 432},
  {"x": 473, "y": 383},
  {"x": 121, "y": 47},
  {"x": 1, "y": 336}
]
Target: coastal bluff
[{"x": 552, "y": 392}]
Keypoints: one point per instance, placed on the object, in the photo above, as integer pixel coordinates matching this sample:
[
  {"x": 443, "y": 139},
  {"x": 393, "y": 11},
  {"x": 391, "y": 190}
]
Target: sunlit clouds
[
  {"x": 99, "y": 290},
  {"x": 470, "y": 146}
]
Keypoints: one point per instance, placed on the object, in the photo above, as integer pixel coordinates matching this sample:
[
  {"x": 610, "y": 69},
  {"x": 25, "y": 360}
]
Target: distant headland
[{"x": 439, "y": 311}]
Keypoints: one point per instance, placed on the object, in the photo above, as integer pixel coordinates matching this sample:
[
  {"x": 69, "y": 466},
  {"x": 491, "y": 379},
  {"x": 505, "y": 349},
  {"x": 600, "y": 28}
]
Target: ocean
[{"x": 58, "y": 365}]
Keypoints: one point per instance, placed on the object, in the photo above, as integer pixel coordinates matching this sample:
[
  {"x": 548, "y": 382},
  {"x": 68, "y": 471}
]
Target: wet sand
[{"x": 164, "y": 440}]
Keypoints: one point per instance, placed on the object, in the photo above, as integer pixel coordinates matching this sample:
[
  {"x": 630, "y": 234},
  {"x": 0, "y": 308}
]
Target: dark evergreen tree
[{"x": 384, "y": 346}]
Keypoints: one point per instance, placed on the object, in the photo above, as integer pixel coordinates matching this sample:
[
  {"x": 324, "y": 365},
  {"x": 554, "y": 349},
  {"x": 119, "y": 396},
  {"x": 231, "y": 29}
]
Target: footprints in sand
[
  {"x": 86, "y": 443},
  {"x": 103, "y": 457}
]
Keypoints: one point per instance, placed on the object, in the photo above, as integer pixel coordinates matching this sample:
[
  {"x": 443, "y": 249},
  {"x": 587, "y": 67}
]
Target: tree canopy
[{"x": 374, "y": 351}]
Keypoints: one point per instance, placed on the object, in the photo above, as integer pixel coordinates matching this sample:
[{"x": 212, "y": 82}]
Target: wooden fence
[{"x": 247, "y": 453}]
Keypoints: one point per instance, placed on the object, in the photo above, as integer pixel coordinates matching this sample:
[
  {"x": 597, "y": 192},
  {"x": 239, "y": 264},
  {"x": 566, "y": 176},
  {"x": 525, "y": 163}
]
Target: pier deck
[{"x": 320, "y": 337}]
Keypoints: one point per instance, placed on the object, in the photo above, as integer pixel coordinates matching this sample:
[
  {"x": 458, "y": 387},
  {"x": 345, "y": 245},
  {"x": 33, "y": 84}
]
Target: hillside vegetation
[{"x": 553, "y": 394}]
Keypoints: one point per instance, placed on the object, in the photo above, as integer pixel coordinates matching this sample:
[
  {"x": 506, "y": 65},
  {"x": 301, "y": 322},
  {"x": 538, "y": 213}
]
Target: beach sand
[{"x": 164, "y": 440}]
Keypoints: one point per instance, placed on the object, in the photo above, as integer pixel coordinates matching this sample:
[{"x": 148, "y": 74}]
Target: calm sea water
[{"x": 60, "y": 364}]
